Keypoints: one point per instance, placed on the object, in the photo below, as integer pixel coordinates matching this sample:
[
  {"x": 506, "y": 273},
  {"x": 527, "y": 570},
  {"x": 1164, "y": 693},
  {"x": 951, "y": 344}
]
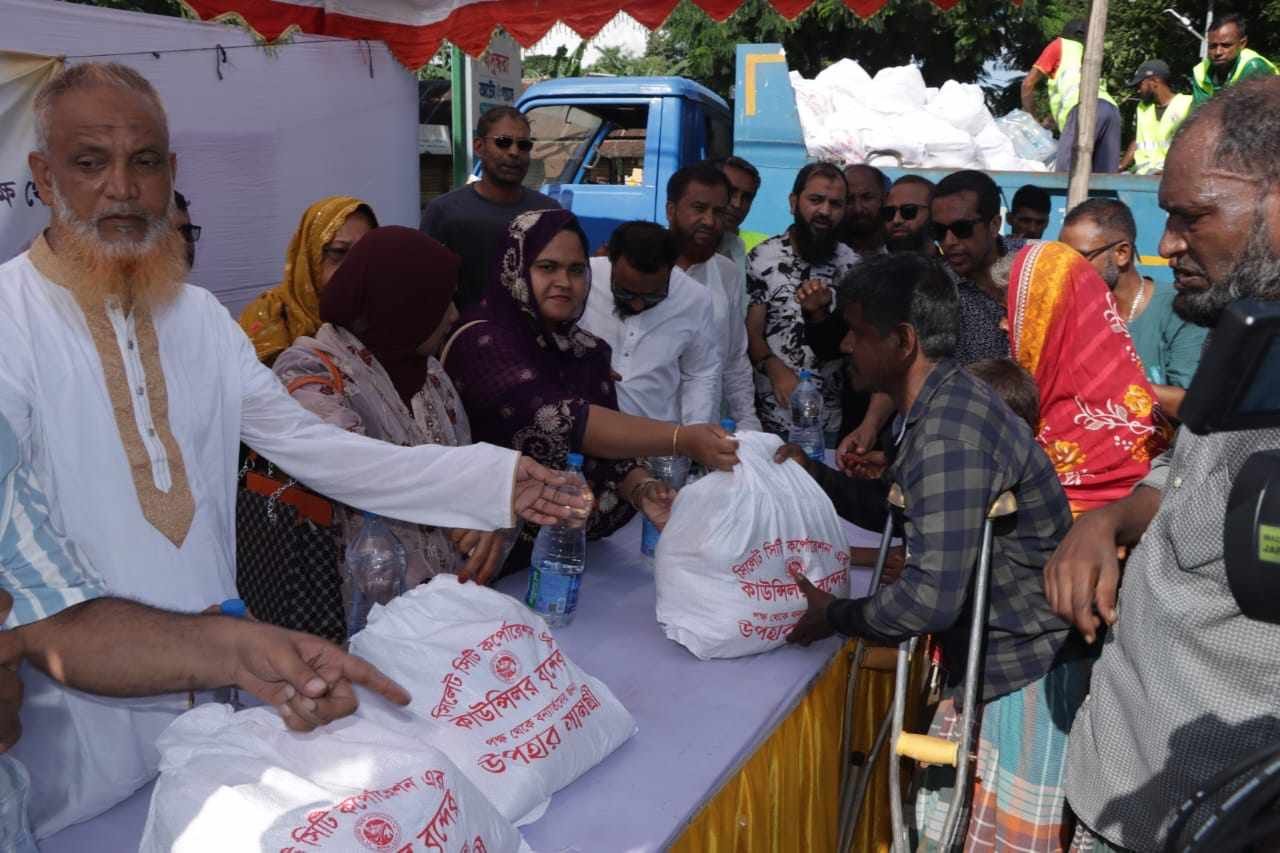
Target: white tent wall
[{"x": 283, "y": 127}]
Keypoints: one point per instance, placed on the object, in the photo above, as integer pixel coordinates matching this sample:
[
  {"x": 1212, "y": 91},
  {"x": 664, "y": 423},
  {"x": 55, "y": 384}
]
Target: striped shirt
[{"x": 42, "y": 569}]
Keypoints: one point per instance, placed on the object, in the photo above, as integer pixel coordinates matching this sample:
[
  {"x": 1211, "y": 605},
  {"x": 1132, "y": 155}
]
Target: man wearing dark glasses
[
  {"x": 659, "y": 324},
  {"x": 906, "y": 214},
  {"x": 473, "y": 219}
]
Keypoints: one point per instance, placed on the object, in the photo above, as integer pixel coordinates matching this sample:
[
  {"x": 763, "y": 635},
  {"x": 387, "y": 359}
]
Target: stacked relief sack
[
  {"x": 727, "y": 562},
  {"x": 493, "y": 691},
  {"x": 244, "y": 782}
]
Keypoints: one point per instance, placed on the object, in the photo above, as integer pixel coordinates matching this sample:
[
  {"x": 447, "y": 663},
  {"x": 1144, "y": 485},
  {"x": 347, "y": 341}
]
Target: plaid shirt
[{"x": 961, "y": 448}]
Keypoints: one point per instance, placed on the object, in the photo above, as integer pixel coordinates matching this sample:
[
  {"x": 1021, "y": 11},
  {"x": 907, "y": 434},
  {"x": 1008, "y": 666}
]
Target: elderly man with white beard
[{"x": 129, "y": 393}]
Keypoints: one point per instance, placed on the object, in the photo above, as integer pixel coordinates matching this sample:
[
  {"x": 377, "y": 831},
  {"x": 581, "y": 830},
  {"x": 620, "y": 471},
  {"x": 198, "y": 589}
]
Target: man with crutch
[{"x": 960, "y": 448}]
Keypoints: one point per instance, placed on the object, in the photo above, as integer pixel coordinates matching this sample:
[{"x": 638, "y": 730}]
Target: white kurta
[
  {"x": 53, "y": 393},
  {"x": 738, "y": 390}
]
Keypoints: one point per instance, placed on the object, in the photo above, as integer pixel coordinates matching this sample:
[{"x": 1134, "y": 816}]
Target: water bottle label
[
  {"x": 553, "y": 593},
  {"x": 648, "y": 537},
  {"x": 817, "y": 453}
]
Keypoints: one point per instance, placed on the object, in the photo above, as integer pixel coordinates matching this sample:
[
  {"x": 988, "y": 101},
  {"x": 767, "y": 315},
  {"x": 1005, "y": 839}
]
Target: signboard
[
  {"x": 22, "y": 214},
  {"x": 493, "y": 80}
]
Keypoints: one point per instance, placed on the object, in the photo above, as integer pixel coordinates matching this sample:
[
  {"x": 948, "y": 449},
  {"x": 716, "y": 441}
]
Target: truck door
[{"x": 594, "y": 156}]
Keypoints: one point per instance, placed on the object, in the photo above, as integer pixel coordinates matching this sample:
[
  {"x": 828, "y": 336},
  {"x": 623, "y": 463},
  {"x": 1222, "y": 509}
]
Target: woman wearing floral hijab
[
  {"x": 327, "y": 231},
  {"x": 1099, "y": 419},
  {"x": 531, "y": 379}
]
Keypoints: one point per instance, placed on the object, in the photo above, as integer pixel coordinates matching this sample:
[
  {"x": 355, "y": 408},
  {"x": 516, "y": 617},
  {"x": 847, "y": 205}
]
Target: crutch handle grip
[
  {"x": 880, "y": 658},
  {"x": 928, "y": 749},
  {"x": 1004, "y": 505}
]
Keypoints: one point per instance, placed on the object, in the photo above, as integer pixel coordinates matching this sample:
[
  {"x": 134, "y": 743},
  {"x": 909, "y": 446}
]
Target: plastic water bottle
[
  {"x": 806, "y": 418},
  {"x": 375, "y": 570},
  {"x": 559, "y": 556},
  {"x": 235, "y": 608},
  {"x": 672, "y": 470}
]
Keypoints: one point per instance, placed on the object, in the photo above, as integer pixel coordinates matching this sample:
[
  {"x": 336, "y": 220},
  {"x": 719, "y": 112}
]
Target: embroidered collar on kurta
[{"x": 170, "y": 512}]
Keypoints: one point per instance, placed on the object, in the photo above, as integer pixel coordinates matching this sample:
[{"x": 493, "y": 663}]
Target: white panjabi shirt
[
  {"x": 667, "y": 355},
  {"x": 738, "y": 389},
  {"x": 84, "y": 753}
]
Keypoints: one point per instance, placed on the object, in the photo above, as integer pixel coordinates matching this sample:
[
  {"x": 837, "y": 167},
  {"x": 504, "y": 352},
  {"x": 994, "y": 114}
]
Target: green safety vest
[
  {"x": 1064, "y": 85},
  {"x": 1208, "y": 87},
  {"x": 1155, "y": 133}
]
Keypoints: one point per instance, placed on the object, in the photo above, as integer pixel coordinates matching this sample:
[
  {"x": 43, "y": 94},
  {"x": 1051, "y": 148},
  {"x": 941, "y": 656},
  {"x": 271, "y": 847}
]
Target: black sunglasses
[
  {"x": 1093, "y": 253},
  {"x": 962, "y": 228},
  {"x": 505, "y": 142},
  {"x": 908, "y": 211},
  {"x": 647, "y": 299},
  {"x": 191, "y": 233}
]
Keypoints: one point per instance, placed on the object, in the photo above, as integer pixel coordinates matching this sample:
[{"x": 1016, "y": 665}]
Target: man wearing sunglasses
[
  {"x": 1103, "y": 230},
  {"x": 906, "y": 214},
  {"x": 472, "y": 220},
  {"x": 656, "y": 319}
]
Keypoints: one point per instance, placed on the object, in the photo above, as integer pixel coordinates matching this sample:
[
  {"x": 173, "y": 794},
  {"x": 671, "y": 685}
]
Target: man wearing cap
[
  {"x": 1229, "y": 61},
  {"x": 1061, "y": 65},
  {"x": 1160, "y": 113}
]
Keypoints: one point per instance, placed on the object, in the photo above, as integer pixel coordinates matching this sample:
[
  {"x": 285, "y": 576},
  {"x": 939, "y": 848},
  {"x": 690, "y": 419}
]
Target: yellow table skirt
[{"x": 785, "y": 797}]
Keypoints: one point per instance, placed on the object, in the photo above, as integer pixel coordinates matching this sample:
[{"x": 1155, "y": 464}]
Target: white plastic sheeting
[
  {"x": 258, "y": 136},
  {"x": 894, "y": 119}
]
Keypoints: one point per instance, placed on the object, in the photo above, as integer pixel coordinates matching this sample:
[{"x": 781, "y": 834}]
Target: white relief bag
[
  {"x": 727, "y": 560},
  {"x": 243, "y": 781},
  {"x": 493, "y": 691}
]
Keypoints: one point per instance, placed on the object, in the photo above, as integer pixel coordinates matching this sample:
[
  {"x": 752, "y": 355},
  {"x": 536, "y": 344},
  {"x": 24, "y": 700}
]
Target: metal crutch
[
  {"x": 853, "y": 783},
  {"x": 930, "y": 749}
]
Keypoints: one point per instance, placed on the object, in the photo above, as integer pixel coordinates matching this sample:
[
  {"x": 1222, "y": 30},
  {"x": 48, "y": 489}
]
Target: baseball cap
[{"x": 1150, "y": 68}]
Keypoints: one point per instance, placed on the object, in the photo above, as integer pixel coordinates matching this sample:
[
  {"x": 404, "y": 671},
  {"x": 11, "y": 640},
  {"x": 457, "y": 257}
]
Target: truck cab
[{"x": 606, "y": 146}]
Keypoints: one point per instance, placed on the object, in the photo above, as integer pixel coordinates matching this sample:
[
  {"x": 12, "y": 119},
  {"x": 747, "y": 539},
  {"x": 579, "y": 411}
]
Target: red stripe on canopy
[{"x": 471, "y": 26}]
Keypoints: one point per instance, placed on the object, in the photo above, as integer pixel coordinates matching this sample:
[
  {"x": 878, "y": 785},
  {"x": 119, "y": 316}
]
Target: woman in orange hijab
[
  {"x": 328, "y": 230},
  {"x": 1099, "y": 419}
]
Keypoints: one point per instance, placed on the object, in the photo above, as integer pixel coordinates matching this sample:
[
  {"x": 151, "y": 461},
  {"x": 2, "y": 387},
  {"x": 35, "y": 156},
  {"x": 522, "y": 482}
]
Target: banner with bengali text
[{"x": 22, "y": 214}]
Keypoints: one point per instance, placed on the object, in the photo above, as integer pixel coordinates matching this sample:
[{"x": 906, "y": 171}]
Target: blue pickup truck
[{"x": 607, "y": 145}]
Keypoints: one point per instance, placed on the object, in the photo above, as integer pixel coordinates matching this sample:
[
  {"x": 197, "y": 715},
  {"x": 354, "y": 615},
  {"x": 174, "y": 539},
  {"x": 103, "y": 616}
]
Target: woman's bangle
[{"x": 675, "y": 438}]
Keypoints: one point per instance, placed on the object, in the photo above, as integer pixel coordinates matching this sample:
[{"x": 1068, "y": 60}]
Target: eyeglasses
[
  {"x": 1093, "y": 253},
  {"x": 648, "y": 300},
  {"x": 505, "y": 142},
  {"x": 962, "y": 228},
  {"x": 190, "y": 233},
  {"x": 908, "y": 211}
]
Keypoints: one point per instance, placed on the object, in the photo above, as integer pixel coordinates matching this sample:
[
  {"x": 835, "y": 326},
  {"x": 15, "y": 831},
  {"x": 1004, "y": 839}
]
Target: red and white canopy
[{"x": 415, "y": 29}]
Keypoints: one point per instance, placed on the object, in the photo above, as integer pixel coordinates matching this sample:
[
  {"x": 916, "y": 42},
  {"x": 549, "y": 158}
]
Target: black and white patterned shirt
[{"x": 774, "y": 272}]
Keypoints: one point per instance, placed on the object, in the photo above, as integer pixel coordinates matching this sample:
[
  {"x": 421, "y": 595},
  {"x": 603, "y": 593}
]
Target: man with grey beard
[
  {"x": 129, "y": 393},
  {"x": 1186, "y": 685}
]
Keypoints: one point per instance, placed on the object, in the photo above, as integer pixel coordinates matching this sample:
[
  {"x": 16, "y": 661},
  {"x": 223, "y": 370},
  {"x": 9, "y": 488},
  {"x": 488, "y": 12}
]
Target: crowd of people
[{"x": 441, "y": 376}]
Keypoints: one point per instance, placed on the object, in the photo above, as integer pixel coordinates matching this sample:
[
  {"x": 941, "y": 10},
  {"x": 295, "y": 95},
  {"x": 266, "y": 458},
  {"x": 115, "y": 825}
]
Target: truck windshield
[{"x": 608, "y": 138}]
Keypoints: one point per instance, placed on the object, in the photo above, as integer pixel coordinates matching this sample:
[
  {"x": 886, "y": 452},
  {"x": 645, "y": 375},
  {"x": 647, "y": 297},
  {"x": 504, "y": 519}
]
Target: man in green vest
[
  {"x": 1160, "y": 113},
  {"x": 1061, "y": 65},
  {"x": 1230, "y": 59}
]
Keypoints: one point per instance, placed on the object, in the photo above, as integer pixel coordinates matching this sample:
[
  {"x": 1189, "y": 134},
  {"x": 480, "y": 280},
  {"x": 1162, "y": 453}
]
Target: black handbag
[{"x": 289, "y": 552}]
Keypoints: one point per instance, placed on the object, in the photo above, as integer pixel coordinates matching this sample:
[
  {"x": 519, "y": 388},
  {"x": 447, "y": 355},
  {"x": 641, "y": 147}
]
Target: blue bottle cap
[
  {"x": 728, "y": 425},
  {"x": 805, "y": 375},
  {"x": 575, "y": 460},
  {"x": 233, "y": 607}
]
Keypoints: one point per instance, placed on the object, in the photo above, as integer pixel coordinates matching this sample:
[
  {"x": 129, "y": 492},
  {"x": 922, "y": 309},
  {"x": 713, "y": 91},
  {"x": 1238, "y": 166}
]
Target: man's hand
[
  {"x": 654, "y": 499},
  {"x": 783, "y": 379},
  {"x": 795, "y": 453},
  {"x": 813, "y": 625},
  {"x": 483, "y": 550},
  {"x": 308, "y": 679},
  {"x": 540, "y": 495},
  {"x": 854, "y": 450},
  {"x": 11, "y": 649},
  {"x": 1085, "y": 572},
  {"x": 708, "y": 444},
  {"x": 814, "y": 297},
  {"x": 868, "y": 466}
]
